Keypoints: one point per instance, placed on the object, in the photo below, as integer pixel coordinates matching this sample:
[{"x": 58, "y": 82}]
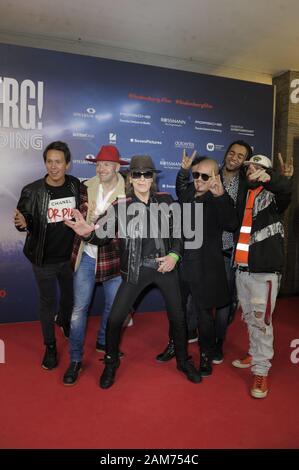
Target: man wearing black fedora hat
[
  {"x": 93, "y": 264},
  {"x": 146, "y": 258}
]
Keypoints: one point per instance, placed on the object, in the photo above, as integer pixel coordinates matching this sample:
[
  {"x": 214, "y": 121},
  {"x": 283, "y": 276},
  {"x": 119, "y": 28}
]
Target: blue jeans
[{"x": 84, "y": 282}]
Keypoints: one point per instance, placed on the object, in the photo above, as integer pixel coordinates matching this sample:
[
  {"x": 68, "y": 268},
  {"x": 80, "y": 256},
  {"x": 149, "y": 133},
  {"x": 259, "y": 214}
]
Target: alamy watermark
[
  {"x": 163, "y": 220},
  {"x": 295, "y": 353},
  {"x": 2, "y": 352}
]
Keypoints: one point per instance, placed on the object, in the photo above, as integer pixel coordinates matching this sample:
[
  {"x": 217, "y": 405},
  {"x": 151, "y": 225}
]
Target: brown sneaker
[
  {"x": 260, "y": 387},
  {"x": 243, "y": 363}
]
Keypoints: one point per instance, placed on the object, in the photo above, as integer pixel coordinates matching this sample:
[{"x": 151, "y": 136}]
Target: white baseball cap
[{"x": 265, "y": 162}]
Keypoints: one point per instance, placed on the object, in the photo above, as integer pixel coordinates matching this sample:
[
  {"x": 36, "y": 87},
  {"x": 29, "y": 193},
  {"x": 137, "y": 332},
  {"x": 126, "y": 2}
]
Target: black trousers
[
  {"x": 225, "y": 315},
  {"x": 127, "y": 294},
  {"x": 204, "y": 317},
  {"x": 47, "y": 277}
]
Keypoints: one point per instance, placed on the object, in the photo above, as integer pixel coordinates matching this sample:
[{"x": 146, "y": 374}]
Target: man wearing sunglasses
[
  {"x": 148, "y": 256},
  {"x": 234, "y": 182},
  {"x": 202, "y": 271}
]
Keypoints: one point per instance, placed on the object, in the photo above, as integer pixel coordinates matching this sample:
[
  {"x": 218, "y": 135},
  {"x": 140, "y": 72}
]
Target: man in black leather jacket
[
  {"x": 146, "y": 258},
  {"x": 41, "y": 210}
]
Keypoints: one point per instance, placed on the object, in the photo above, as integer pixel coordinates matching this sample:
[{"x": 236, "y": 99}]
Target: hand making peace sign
[
  {"x": 187, "y": 161},
  {"x": 216, "y": 186}
]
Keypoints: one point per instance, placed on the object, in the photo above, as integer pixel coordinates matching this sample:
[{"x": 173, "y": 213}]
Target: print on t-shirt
[{"x": 60, "y": 209}]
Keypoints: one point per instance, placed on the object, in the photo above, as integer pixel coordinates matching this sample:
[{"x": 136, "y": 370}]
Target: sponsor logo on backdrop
[
  {"x": 170, "y": 165},
  {"x": 83, "y": 161},
  {"x": 21, "y": 107},
  {"x": 168, "y": 186},
  {"x": 165, "y": 100},
  {"x": 294, "y": 96},
  {"x": 179, "y": 144},
  {"x": 145, "y": 141},
  {"x": 126, "y": 159},
  {"x": 88, "y": 113},
  {"x": 132, "y": 118},
  {"x": 208, "y": 126},
  {"x": 172, "y": 122},
  {"x": 112, "y": 138},
  {"x": 83, "y": 135},
  {"x": 211, "y": 147},
  {"x": 241, "y": 130}
]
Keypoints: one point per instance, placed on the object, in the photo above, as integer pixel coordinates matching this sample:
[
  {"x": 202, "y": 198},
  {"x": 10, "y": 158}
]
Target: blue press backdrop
[{"x": 88, "y": 102}]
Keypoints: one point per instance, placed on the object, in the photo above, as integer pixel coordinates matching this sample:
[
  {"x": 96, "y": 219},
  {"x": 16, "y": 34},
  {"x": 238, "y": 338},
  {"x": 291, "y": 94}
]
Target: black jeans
[
  {"x": 47, "y": 277},
  {"x": 127, "y": 294},
  {"x": 225, "y": 315}
]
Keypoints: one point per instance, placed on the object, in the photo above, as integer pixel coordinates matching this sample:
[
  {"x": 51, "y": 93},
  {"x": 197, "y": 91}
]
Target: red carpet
[{"x": 151, "y": 405}]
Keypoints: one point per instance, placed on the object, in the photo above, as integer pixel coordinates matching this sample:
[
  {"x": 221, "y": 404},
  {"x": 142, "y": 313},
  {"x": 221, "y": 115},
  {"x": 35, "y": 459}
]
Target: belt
[
  {"x": 244, "y": 269},
  {"x": 149, "y": 263}
]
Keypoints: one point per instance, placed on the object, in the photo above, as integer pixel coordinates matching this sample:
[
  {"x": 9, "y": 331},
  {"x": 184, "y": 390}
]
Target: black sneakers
[
  {"x": 218, "y": 352},
  {"x": 192, "y": 336},
  {"x": 50, "y": 358},
  {"x": 189, "y": 370},
  {"x": 71, "y": 375},
  {"x": 167, "y": 354},
  {"x": 205, "y": 367},
  {"x": 108, "y": 375}
]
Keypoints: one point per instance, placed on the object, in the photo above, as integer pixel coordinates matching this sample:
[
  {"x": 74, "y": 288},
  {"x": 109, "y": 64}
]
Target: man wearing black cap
[{"x": 91, "y": 263}]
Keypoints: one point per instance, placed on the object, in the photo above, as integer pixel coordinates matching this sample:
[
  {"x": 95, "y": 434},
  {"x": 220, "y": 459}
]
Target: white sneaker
[{"x": 128, "y": 321}]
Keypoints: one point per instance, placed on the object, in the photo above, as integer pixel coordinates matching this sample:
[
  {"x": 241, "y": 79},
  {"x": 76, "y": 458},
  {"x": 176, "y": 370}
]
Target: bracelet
[{"x": 174, "y": 256}]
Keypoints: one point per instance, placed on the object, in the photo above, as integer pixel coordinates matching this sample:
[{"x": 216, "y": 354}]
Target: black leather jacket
[
  {"x": 131, "y": 246},
  {"x": 33, "y": 204}
]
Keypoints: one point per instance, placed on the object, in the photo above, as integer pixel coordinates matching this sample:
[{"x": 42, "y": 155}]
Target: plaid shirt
[{"x": 108, "y": 262}]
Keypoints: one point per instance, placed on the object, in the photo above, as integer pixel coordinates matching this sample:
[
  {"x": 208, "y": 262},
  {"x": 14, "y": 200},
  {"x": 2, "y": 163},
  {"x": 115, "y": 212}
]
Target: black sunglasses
[
  {"x": 203, "y": 176},
  {"x": 146, "y": 174}
]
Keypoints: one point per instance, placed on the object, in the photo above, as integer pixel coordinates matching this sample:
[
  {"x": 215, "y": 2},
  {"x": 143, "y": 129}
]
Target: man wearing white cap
[{"x": 259, "y": 260}]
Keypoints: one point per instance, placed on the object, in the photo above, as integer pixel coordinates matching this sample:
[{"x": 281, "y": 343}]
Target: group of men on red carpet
[{"x": 239, "y": 260}]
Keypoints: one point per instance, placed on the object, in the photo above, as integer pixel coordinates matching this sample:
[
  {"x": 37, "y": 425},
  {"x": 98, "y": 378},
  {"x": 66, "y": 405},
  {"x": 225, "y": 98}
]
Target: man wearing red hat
[{"x": 91, "y": 263}]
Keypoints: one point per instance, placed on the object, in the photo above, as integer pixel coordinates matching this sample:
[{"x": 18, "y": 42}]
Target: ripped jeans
[{"x": 257, "y": 294}]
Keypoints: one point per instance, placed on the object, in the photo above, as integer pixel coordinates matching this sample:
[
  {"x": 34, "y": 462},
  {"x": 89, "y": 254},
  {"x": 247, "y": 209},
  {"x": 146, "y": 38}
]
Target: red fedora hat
[{"x": 108, "y": 153}]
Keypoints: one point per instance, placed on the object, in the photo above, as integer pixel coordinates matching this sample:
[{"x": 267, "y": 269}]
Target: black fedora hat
[{"x": 142, "y": 163}]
